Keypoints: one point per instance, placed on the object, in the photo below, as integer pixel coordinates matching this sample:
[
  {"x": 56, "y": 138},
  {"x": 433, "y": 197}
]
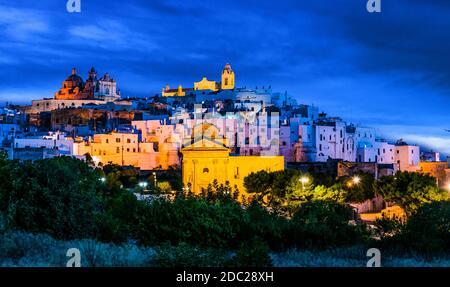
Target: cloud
[
  {"x": 384, "y": 70},
  {"x": 22, "y": 24},
  {"x": 112, "y": 35}
]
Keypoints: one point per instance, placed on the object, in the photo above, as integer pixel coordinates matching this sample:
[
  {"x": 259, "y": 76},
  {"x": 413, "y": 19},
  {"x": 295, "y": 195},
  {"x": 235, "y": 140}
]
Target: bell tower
[{"x": 227, "y": 82}]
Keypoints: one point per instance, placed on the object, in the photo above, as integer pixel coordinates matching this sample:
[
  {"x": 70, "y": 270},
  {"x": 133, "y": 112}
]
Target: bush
[
  {"x": 254, "y": 253},
  {"x": 190, "y": 220},
  {"x": 322, "y": 224},
  {"x": 428, "y": 230},
  {"x": 185, "y": 255},
  {"x": 58, "y": 196}
]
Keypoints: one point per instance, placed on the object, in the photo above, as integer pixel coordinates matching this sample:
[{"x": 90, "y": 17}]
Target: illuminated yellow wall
[
  {"x": 167, "y": 92},
  {"x": 122, "y": 149},
  {"x": 202, "y": 165},
  {"x": 227, "y": 83},
  {"x": 205, "y": 84},
  {"x": 227, "y": 78}
]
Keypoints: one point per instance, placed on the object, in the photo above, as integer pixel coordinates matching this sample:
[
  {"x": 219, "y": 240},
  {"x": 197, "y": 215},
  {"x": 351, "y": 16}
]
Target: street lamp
[
  {"x": 103, "y": 179},
  {"x": 304, "y": 180},
  {"x": 143, "y": 184},
  {"x": 154, "y": 178},
  {"x": 356, "y": 180}
]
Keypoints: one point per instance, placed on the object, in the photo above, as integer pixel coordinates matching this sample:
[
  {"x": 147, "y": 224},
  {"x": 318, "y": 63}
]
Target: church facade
[
  {"x": 74, "y": 88},
  {"x": 227, "y": 83},
  {"x": 207, "y": 160}
]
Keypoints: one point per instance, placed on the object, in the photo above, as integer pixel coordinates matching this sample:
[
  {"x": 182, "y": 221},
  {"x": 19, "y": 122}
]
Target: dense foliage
[
  {"x": 410, "y": 190},
  {"x": 61, "y": 197},
  {"x": 67, "y": 199},
  {"x": 287, "y": 190}
]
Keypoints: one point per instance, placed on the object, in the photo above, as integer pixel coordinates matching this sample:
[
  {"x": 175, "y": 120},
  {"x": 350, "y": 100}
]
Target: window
[
  {"x": 117, "y": 140},
  {"x": 128, "y": 140},
  {"x": 206, "y": 170},
  {"x": 320, "y": 147},
  {"x": 107, "y": 140},
  {"x": 118, "y": 150}
]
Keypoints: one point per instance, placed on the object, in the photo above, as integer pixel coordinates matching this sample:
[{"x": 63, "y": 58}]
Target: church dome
[{"x": 74, "y": 80}]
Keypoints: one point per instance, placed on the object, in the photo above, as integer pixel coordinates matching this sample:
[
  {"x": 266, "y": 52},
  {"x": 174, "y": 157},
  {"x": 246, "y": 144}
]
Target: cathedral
[
  {"x": 227, "y": 83},
  {"x": 74, "y": 87}
]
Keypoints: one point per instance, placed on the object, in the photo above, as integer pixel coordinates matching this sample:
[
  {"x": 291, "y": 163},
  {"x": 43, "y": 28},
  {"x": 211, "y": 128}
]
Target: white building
[
  {"x": 107, "y": 89},
  {"x": 8, "y": 132},
  {"x": 407, "y": 156},
  {"x": 55, "y": 141}
]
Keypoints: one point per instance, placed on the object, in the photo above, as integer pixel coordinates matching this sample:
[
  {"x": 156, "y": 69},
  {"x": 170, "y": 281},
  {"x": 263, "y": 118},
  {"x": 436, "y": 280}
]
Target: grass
[{"x": 22, "y": 249}]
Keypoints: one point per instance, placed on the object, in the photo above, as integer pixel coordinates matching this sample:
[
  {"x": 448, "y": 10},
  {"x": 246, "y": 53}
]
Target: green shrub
[
  {"x": 254, "y": 253},
  {"x": 185, "y": 255},
  {"x": 428, "y": 230},
  {"x": 58, "y": 196},
  {"x": 323, "y": 224},
  {"x": 190, "y": 220}
]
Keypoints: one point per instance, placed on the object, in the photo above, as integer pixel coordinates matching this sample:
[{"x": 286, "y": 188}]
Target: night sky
[{"x": 388, "y": 70}]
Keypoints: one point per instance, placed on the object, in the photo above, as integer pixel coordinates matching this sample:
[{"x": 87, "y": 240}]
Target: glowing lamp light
[
  {"x": 143, "y": 184},
  {"x": 304, "y": 180},
  {"x": 96, "y": 160},
  {"x": 356, "y": 180}
]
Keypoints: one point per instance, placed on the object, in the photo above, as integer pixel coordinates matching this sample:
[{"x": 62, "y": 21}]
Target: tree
[
  {"x": 164, "y": 187},
  {"x": 60, "y": 196},
  {"x": 428, "y": 229},
  {"x": 325, "y": 223},
  {"x": 172, "y": 176},
  {"x": 358, "y": 191},
  {"x": 410, "y": 190},
  {"x": 271, "y": 188}
]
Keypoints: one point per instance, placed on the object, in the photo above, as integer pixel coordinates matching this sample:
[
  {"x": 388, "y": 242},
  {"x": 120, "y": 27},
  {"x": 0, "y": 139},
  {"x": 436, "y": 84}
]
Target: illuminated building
[
  {"x": 407, "y": 156},
  {"x": 227, "y": 83},
  {"x": 75, "y": 93},
  {"x": 205, "y": 84},
  {"x": 208, "y": 159},
  {"x": 72, "y": 88},
  {"x": 438, "y": 169},
  {"x": 119, "y": 148}
]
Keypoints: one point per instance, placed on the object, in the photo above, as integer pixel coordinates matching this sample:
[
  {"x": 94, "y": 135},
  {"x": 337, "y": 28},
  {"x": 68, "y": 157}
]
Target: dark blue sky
[{"x": 388, "y": 70}]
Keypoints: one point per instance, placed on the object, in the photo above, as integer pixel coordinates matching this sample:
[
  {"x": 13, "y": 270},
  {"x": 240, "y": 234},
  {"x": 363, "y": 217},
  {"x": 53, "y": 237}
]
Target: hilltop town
[{"x": 213, "y": 130}]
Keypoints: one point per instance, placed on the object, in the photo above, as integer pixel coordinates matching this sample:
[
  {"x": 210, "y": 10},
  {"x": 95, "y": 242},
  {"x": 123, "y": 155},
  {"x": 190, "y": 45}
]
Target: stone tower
[{"x": 227, "y": 82}]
